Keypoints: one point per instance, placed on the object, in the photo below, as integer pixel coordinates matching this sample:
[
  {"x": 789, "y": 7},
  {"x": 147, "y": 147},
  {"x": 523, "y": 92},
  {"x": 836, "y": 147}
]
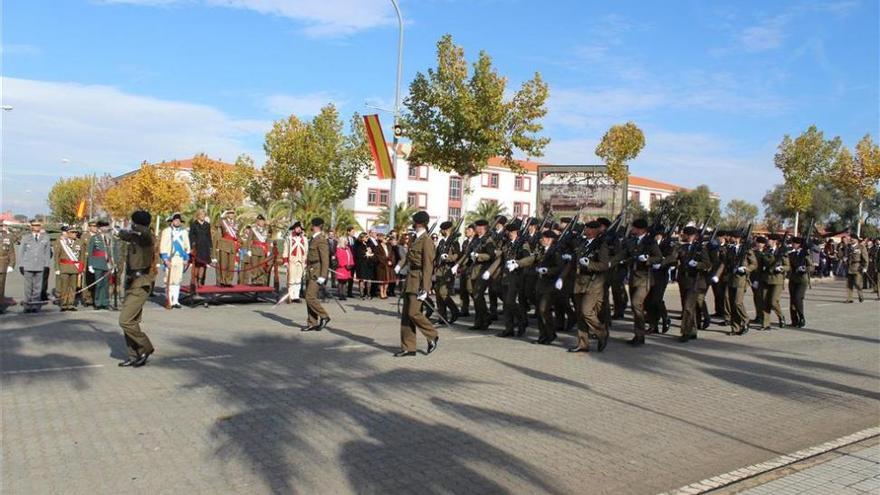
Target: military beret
[
  {"x": 604, "y": 221},
  {"x": 689, "y": 230},
  {"x": 774, "y": 237},
  {"x": 65, "y": 228},
  {"x": 470, "y": 226},
  {"x": 511, "y": 227},
  {"x": 760, "y": 240},
  {"x": 103, "y": 223},
  {"x": 317, "y": 222},
  {"x": 555, "y": 226},
  {"x": 640, "y": 223},
  {"x": 593, "y": 224},
  {"x": 550, "y": 234},
  {"x": 93, "y": 223},
  {"x": 445, "y": 225},
  {"x": 481, "y": 222},
  {"x": 174, "y": 216},
  {"x": 421, "y": 218},
  {"x": 658, "y": 230},
  {"x": 577, "y": 227},
  {"x": 534, "y": 221},
  {"x": 735, "y": 234},
  {"x": 797, "y": 240},
  {"x": 501, "y": 220},
  {"x": 142, "y": 218},
  {"x": 565, "y": 220},
  {"x": 260, "y": 217},
  {"x": 296, "y": 225}
]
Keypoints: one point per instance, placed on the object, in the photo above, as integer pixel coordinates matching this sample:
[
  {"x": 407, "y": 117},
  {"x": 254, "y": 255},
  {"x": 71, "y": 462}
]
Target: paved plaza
[{"x": 238, "y": 400}]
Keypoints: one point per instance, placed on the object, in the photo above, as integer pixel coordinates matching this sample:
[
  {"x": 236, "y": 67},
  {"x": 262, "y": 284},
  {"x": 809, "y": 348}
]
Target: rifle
[
  {"x": 533, "y": 241},
  {"x": 563, "y": 237},
  {"x": 667, "y": 234},
  {"x": 453, "y": 237},
  {"x": 745, "y": 247},
  {"x": 805, "y": 249}
]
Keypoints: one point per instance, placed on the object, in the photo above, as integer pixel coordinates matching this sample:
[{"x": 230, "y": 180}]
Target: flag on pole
[
  {"x": 81, "y": 209},
  {"x": 384, "y": 167}
]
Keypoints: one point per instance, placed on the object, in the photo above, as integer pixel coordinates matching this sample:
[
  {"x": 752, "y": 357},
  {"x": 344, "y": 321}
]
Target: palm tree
[
  {"x": 488, "y": 210},
  {"x": 278, "y": 215},
  {"x": 310, "y": 203},
  {"x": 402, "y": 215}
]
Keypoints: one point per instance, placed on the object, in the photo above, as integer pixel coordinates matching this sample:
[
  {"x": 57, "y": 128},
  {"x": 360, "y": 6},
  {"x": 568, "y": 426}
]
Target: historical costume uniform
[{"x": 174, "y": 249}]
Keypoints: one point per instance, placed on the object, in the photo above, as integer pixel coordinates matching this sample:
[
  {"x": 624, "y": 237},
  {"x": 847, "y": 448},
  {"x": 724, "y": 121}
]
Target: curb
[{"x": 745, "y": 473}]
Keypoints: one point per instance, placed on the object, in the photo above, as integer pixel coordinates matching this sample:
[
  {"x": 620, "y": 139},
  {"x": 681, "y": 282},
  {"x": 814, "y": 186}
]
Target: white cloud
[
  {"x": 101, "y": 128},
  {"x": 766, "y": 35},
  {"x": 305, "y": 105},
  {"x": 320, "y": 17}
]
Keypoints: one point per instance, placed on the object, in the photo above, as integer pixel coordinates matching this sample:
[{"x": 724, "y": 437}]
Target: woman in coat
[
  {"x": 345, "y": 267},
  {"x": 202, "y": 246},
  {"x": 364, "y": 260},
  {"x": 385, "y": 260}
]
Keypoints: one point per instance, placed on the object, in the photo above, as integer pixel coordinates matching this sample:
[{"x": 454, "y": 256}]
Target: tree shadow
[
  {"x": 375, "y": 311},
  {"x": 287, "y": 322},
  {"x": 869, "y": 340}
]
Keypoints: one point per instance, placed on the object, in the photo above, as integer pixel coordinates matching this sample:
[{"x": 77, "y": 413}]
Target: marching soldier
[
  {"x": 874, "y": 267},
  {"x": 742, "y": 262},
  {"x": 655, "y": 305},
  {"x": 758, "y": 281},
  {"x": 515, "y": 316},
  {"x": 856, "y": 259},
  {"x": 798, "y": 281},
  {"x": 140, "y": 261},
  {"x": 528, "y": 294},
  {"x": 466, "y": 289},
  {"x": 296, "y": 246},
  {"x": 227, "y": 246},
  {"x": 640, "y": 253},
  {"x": 449, "y": 251},
  {"x": 174, "y": 249},
  {"x": 420, "y": 262},
  {"x": 317, "y": 273},
  {"x": 258, "y": 251},
  {"x": 68, "y": 267},
  {"x": 694, "y": 267},
  {"x": 88, "y": 278},
  {"x": 493, "y": 285},
  {"x": 481, "y": 258},
  {"x": 776, "y": 267},
  {"x": 7, "y": 262},
  {"x": 100, "y": 262},
  {"x": 548, "y": 265},
  {"x": 719, "y": 288},
  {"x": 589, "y": 288}
]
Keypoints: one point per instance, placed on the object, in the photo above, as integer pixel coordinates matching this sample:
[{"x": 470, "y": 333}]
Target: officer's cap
[
  {"x": 142, "y": 218},
  {"x": 93, "y": 223},
  {"x": 65, "y": 228},
  {"x": 295, "y": 225},
  {"x": 446, "y": 225},
  {"x": 36, "y": 223},
  {"x": 593, "y": 224},
  {"x": 640, "y": 223},
  {"x": 317, "y": 222},
  {"x": 226, "y": 212},
  {"x": 175, "y": 216},
  {"x": 689, "y": 230},
  {"x": 604, "y": 221},
  {"x": 550, "y": 234},
  {"x": 260, "y": 217},
  {"x": 481, "y": 222},
  {"x": 421, "y": 218}
]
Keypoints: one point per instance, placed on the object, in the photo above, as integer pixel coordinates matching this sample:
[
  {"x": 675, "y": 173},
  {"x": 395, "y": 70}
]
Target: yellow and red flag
[
  {"x": 384, "y": 168},
  {"x": 81, "y": 209}
]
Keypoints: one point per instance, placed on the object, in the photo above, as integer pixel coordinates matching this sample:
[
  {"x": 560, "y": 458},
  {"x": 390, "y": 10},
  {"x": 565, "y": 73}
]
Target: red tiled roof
[
  {"x": 497, "y": 161},
  {"x": 654, "y": 184}
]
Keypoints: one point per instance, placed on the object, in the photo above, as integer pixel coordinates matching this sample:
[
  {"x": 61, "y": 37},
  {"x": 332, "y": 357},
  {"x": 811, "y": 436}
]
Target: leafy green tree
[
  {"x": 621, "y": 144},
  {"x": 804, "y": 162},
  {"x": 66, "y": 195},
  {"x": 857, "y": 176},
  {"x": 310, "y": 202},
  {"x": 692, "y": 206},
  {"x": 459, "y": 118},
  {"x": 402, "y": 215},
  {"x": 739, "y": 213},
  {"x": 823, "y": 205},
  {"x": 635, "y": 209},
  {"x": 488, "y": 210}
]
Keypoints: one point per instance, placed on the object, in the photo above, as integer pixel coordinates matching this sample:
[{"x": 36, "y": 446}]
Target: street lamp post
[{"x": 392, "y": 209}]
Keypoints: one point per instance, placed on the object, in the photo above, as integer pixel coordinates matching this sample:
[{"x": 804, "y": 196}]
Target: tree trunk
[
  {"x": 796, "y": 219},
  {"x": 859, "y": 219},
  {"x": 465, "y": 186},
  {"x": 333, "y": 216}
]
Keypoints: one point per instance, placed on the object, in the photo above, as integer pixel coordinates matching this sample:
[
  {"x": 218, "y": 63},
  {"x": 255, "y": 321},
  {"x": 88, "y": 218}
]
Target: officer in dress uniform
[
  {"x": 100, "y": 262},
  {"x": 420, "y": 261},
  {"x": 798, "y": 281},
  {"x": 856, "y": 259},
  {"x": 448, "y": 252},
  {"x": 593, "y": 264},
  {"x": 515, "y": 316},
  {"x": 296, "y": 246},
  {"x": 36, "y": 255},
  {"x": 317, "y": 274},
  {"x": 88, "y": 278},
  {"x": 140, "y": 273},
  {"x": 259, "y": 250},
  {"x": 68, "y": 268},
  {"x": 7, "y": 262},
  {"x": 227, "y": 246},
  {"x": 174, "y": 251}
]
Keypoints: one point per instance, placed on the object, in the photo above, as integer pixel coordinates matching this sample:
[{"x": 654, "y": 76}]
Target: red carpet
[{"x": 235, "y": 289}]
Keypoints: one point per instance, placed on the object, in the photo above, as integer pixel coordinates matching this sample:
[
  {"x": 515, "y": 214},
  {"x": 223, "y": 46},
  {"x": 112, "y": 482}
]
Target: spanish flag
[
  {"x": 81, "y": 209},
  {"x": 384, "y": 168}
]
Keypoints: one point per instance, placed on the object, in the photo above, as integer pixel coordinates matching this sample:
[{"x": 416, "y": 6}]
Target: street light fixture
[
  {"x": 7, "y": 108},
  {"x": 393, "y": 207}
]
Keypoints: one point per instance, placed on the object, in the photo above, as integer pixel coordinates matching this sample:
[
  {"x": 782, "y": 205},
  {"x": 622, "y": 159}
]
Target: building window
[
  {"x": 635, "y": 196},
  {"x": 455, "y": 188},
  {"x": 521, "y": 209},
  {"x": 490, "y": 179},
  {"x": 377, "y": 197},
  {"x": 418, "y": 172},
  {"x": 454, "y": 214},
  {"x": 522, "y": 183},
  {"x": 654, "y": 197},
  {"x": 417, "y": 200}
]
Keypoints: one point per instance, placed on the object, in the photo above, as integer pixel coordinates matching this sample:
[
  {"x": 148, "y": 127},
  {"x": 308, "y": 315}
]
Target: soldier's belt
[{"x": 99, "y": 254}]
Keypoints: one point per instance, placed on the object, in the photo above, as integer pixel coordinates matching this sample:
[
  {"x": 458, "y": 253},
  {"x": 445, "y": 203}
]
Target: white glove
[
  {"x": 213, "y": 261},
  {"x": 57, "y": 272},
  {"x": 864, "y": 270},
  {"x": 558, "y": 284},
  {"x": 91, "y": 269},
  {"x": 692, "y": 263},
  {"x": 755, "y": 285},
  {"x": 656, "y": 266},
  {"x": 249, "y": 253},
  {"x": 454, "y": 269},
  {"x": 543, "y": 270},
  {"x": 802, "y": 269},
  {"x": 566, "y": 257},
  {"x": 778, "y": 269},
  {"x": 715, "y": 279},
  {"x": 9, "y": 269},
  {"x": 422, "y": 295},
  {"x": 397, "y": 269},
  {"x": 444, "y": 256},
  {"x": 740, "y": 269},
  {"x": 321, "y": 280},
  {"x": 473, "y": 256},
  {"x": 512, "y": 265},
  {"x": 584, "y": 261},
  {"x": 643, "y": 258},
  {"x": 485, "y": 275}
]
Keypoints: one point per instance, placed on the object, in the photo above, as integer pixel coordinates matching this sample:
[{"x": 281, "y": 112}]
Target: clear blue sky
[{"x": 715, "y": 85}]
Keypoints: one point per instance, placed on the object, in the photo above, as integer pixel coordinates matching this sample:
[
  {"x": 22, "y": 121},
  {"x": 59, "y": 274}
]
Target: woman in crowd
[
  {"x": 364, "y": 260},
  {"x": 385, "y": 261},
  {"x": 345, "y": 267}
]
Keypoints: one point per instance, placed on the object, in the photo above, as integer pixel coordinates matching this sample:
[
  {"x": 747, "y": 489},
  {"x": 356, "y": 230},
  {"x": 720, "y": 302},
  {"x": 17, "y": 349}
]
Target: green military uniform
[
  {"x": 7, "y": 264},
  {"x": 466, "y": 288},
  {"x": 528, "y": 294},
  {"x": 775, "y": 268},
  {"x": 548, "y": 265},
  {"x": 68, "y": 267},
  {"x": 798, "y": 281},
  {"x": 739, "y": 264},
  {"x": 448, "y": 252},
  {"x": 420, "y": 260},
  {"x": 515, "y": 309},
  {"x": 589, "y": 290},
  {"x": 140, "y": 259},
  {"x": 655, "y": 305},
  {"x": 259, "y": 248},
  {"x": 118, "y": 250},
  {"x": 99, "y": 257},
  {"x": 481, "y": 259},
  {"x": 88, "y": 278},
  {"x": 694, "y": 265},
  {"x": 874, "y": 267},
  {"x": 226, "y": 245},
  {"x": 719, "y": 289},
  {"x": 758, "y": 282},
  {"x": 856, "y": 258},
  {"x": 317, "y": 273},
  {"x": 639, "y": 254}
]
